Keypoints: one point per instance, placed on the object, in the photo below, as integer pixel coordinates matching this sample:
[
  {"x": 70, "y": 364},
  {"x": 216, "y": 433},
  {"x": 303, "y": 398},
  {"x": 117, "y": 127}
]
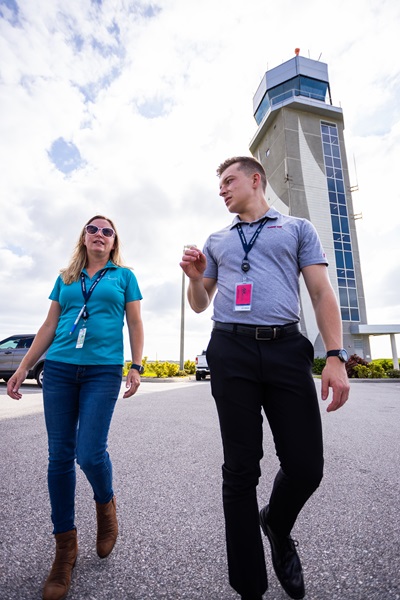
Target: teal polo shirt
[{"x": 104, "y": 327}]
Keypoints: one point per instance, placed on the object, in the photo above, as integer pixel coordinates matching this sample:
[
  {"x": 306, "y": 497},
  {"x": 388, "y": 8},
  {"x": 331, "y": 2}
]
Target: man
[{"x": 259, "y": 360}]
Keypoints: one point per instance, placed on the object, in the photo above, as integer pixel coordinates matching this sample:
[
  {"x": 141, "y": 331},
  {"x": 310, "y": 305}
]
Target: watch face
[
  {"x": 138, "y": 368},
  {"x": 341, "y": 354}
]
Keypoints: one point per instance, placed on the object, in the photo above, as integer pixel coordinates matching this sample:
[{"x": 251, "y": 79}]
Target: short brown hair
[{"x": 249, "y": 164}]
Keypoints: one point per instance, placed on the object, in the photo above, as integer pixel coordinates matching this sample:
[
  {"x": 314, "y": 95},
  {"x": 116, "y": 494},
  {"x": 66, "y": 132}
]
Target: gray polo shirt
[{"x": 285, "y": 246}]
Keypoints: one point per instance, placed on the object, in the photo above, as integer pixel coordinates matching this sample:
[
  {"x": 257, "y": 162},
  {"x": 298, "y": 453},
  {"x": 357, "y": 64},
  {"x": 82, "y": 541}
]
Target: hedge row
[
  {"x": 358, "y": 368},
  {"x": 163, "y": 369}
]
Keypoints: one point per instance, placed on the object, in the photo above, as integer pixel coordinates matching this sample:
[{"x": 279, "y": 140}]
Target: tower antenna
[{"x": 354, "y": 188}]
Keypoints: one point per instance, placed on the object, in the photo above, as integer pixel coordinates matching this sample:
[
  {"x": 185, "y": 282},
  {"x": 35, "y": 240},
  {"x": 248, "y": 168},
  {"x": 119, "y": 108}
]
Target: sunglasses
[{"x": 106, "y": 231}]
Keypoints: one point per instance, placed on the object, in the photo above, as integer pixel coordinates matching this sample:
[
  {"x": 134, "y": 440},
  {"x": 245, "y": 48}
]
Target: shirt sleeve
[
  {"x": 212, "y": 267},
  {"x": 311, "y": 251},
  {"x": 132, "y": 291},
  {"x": 55, "y": 293}
]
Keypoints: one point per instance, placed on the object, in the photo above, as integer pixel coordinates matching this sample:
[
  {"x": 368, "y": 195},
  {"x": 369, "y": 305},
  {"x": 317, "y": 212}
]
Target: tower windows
[
  {"x": 296, "y": 86},
  {"x": 340, "y": 223}
]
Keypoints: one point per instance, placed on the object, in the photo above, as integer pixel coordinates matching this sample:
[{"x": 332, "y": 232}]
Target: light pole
[{"x": 182, "y": 344}]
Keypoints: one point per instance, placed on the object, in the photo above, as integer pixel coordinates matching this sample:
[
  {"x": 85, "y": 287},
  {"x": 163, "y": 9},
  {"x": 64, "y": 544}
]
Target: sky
[{"x": 126, "y": 108}]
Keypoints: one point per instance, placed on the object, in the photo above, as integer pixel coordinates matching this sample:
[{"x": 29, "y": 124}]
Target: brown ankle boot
[
  {"x": 107, "y": 527},
  {"x": 59, "y": 579}
]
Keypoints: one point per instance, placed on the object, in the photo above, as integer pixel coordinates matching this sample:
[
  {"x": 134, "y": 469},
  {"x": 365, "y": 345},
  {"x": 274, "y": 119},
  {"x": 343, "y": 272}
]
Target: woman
[{"x": 82, "y": 380}]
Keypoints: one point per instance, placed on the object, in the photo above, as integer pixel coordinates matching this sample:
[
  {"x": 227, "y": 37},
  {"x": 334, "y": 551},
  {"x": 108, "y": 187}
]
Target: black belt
[{"x": 259, "y": 332}]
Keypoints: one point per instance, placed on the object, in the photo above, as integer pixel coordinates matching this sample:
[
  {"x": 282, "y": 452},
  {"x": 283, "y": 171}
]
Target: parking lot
[{"x": 167, "y": 458}]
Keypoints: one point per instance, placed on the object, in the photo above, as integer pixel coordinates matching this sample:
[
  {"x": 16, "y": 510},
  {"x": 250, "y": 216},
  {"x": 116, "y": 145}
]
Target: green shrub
[
  {"x": 162, "y": 369},
  {"x": 361, "y": 371},
  {"x": 376, "y": 371},
  {"x": 353, "y": 361},
  {"x": 318, "y": 366},
  {"x": 369, "y": 371},
  {"x": 190, "y": 367},
  {"x": 158, "y": 368},
  {"x": 172, "y": 369},
  {"x": 394, "y": 373},
  {"x": 128, "y": 363},
  {"x": 385, "y": 363},
  {"x": 125, "y": 368}
]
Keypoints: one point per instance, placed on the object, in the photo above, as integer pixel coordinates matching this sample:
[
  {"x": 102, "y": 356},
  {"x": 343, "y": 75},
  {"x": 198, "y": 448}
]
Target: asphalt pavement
[{"x": 167, "y": 457}]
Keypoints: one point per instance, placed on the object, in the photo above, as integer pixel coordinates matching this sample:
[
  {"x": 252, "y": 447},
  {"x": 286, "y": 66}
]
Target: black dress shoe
[{"x": 285, "y": 559}]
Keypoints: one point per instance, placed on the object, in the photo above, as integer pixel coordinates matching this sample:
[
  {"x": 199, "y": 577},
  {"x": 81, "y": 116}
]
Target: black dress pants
[{"x": 247, "y": 376}]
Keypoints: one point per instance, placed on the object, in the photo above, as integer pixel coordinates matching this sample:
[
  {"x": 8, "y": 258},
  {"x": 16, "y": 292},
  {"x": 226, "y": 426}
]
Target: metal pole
[
  {"x": 183, "y": 299},
  {"x": 181, "y": 355},
  {"x": 394, "y": 351}
]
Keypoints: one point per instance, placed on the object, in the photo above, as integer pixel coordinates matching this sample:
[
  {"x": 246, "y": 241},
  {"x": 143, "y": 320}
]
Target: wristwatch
[
  {"x": 341, "y": 354},
  {"x": 139, "y": 368}
]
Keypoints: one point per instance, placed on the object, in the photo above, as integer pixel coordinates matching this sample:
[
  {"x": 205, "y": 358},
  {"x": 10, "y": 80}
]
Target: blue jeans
[{"x": 79, "y": 403}]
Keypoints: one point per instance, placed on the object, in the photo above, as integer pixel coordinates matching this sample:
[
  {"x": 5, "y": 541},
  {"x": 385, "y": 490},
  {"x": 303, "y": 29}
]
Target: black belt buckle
[{"x": 266, "y": 333}]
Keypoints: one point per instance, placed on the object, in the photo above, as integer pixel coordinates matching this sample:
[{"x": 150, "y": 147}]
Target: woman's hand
[
  {"x": 132, "y": 383},
  {"x": 40, "y": 344},
  {"x": 15, "y": 382}
]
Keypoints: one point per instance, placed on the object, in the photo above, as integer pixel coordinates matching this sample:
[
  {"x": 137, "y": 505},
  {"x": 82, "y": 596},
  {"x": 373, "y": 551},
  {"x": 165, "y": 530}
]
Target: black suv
[{"x": 12, "y": 351}]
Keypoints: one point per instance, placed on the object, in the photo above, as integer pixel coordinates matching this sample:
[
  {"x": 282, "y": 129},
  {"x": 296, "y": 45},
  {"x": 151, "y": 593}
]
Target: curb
[{"x": 165, "y": 379}]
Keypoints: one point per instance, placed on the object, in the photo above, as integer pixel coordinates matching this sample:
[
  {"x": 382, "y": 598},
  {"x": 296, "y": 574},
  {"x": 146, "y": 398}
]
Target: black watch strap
[
  {"x": 341, "y": 353},
  {"x": 139, "y": 368}
]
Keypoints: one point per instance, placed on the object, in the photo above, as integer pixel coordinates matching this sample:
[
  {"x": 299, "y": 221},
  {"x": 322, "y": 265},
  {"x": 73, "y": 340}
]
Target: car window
[
  {"x": 25, "y": 343},
  {"x": 17, "y": 342},
  {"x": 13, "y": 343}
]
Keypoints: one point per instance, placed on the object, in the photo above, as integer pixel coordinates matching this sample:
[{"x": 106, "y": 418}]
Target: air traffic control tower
[{"x": 299, "y": 141}]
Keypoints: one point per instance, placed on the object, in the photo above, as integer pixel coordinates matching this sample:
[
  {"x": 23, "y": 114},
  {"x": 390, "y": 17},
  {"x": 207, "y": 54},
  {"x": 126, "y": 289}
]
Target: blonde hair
[{"x": 78, "y": 260}]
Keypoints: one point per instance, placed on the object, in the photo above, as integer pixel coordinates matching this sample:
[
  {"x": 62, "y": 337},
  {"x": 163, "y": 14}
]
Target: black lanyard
[
  {"x": 247, "y": 246},
  {"x": 87, "y": 294}
]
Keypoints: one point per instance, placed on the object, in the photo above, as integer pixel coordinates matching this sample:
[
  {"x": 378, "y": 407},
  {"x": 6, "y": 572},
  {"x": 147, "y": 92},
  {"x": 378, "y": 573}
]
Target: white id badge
[
  {"x": 243, "y": 295},
  {"x": 81, "y": 338}
]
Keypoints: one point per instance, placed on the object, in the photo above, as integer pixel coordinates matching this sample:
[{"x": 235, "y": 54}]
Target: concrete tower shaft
[{"x": 300, "y": 143}]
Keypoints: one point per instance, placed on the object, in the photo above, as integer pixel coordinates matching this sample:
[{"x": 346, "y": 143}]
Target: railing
[
  {"x": 268, "y": 102},
  {"x": 297, "y": 92}
]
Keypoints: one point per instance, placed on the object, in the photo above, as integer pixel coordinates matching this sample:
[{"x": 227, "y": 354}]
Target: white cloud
[{"x": 154, "y": 96}]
